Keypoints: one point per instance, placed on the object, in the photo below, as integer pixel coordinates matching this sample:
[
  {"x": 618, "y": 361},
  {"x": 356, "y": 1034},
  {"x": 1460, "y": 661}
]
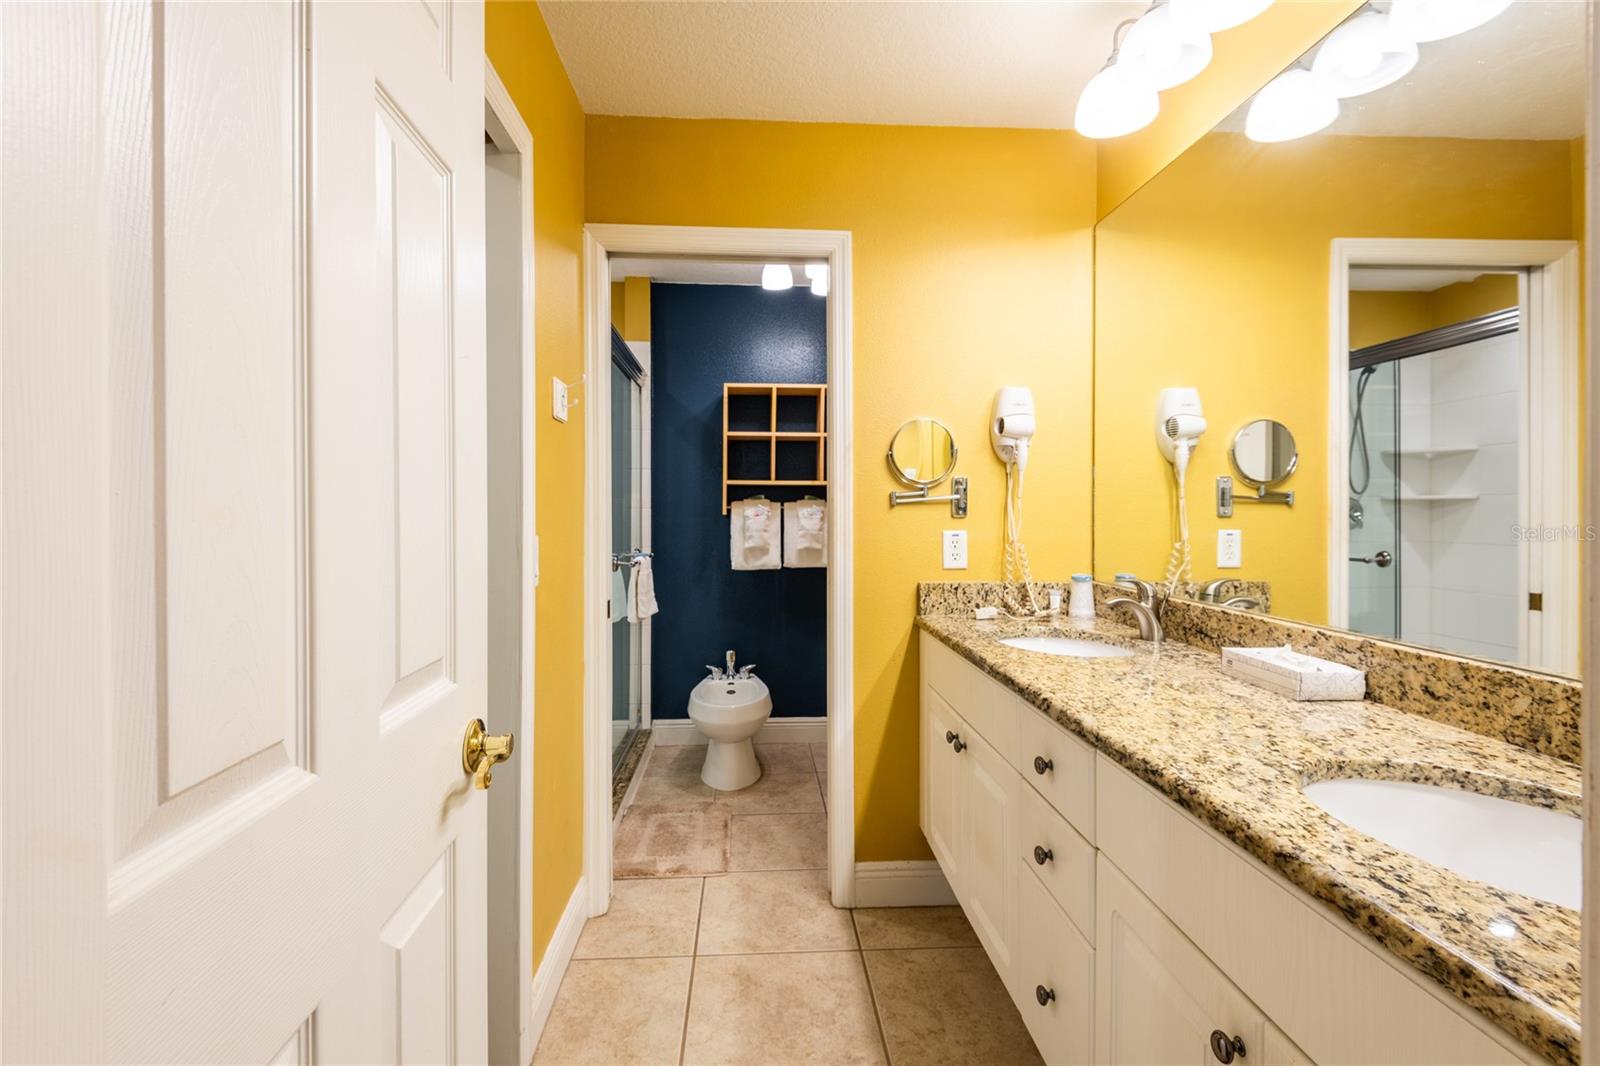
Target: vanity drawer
[
  {"x": 1052, "y": 980},
  {"x": 1067, "y": 869},
  {"x": 1058, "y": 765}
]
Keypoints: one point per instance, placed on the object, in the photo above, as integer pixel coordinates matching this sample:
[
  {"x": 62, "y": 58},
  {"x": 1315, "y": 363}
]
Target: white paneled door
[{"x": 241, "y": 532}]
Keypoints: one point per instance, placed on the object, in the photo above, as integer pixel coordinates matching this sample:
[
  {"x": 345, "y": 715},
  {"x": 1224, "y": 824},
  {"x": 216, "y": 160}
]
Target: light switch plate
[
  {"x": 1230, "y": 548},
  {"x": 558, "y": 399},
  {"x": 955, "y": 549}
]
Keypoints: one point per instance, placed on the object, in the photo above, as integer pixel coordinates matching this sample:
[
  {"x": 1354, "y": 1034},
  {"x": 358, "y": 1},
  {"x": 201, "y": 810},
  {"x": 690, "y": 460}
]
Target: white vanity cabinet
[{"x": 1127, "y": 931}]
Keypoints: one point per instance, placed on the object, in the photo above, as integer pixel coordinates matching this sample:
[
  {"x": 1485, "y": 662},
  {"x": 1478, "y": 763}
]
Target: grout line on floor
[
  {"x": 774, "y": 951},
  {"x": 877, "y": 1014},
  {"x": 688, "y": 999}
]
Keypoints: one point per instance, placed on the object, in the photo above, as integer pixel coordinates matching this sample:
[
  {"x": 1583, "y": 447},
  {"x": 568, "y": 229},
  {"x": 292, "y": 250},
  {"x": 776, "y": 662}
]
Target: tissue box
[{"x": 1300, "y": 677}]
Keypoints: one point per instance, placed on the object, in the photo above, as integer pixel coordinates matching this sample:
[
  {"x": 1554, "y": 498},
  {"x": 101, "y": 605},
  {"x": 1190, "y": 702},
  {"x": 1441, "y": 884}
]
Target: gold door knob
[{"x": 480, "y": 750}]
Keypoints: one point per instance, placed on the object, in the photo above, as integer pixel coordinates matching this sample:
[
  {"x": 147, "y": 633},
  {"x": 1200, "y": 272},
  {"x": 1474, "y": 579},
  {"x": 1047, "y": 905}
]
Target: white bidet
[{"x": 730, "y": 711}]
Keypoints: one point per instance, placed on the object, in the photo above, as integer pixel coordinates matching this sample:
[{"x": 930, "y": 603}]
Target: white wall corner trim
[
  {"x": 902, "y": 884},
  {"x": 563, "y": 942}
]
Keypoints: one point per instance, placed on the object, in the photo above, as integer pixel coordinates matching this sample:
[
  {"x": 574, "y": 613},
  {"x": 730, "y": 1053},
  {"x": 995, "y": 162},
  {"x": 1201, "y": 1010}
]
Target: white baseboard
[
  {"x": 553, "y": 967},
  {"x": 902, "y": 884},
  {"x": 672, "y": 731}
]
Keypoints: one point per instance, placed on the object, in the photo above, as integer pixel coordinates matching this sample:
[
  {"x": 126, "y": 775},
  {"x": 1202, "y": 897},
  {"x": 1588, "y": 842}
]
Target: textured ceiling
[
  {"x": 1519, "y": 76},
  {"x": 935, "y": 63}
]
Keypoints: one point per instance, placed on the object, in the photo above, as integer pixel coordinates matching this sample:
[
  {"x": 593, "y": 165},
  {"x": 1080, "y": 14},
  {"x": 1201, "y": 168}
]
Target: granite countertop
[{"x": 1235, "y": 756}]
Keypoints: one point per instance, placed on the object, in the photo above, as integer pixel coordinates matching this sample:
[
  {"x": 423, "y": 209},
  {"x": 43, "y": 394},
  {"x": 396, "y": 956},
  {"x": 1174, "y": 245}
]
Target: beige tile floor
[{"x": 723, "y": 947}]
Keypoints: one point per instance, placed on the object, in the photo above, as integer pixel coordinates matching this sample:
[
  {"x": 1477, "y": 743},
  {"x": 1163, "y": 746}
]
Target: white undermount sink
[
  {"x": 1532, "y": 850},
  {"x": 1067, "y": 646}
]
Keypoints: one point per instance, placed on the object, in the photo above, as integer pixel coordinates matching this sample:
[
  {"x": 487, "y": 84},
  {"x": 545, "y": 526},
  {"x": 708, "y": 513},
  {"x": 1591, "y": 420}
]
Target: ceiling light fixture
[
  {"x": 1214, "y": 16},
  {"x": 775, "y": 277},
  {"x": 1163, "y": 50},
  {"x": 1115, "y": 102},
  {"x": 1294, "y": 104},
  {"x": 1362, "y": 55},
  {"x": 1434, "y": 20},
  {"x": 817, "y": 274}
]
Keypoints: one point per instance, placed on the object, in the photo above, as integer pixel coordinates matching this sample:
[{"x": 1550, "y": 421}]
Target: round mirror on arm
[
  {"x": 1263, "y": 452},
  {"x": 922, "y": 453}
]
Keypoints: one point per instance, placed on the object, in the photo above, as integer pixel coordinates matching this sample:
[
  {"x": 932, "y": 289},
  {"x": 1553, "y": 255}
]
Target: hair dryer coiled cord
[
  {"x": 1180, "y": 566},
  {"x": 1016, "y": 556}
]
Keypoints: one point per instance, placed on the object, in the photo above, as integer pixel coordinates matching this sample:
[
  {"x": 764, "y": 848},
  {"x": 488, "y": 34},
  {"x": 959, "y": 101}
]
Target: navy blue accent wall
[{"x": 700, "y": 337}]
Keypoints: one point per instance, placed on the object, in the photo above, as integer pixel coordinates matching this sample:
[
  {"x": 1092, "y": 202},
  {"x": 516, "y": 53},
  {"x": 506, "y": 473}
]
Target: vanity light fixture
[
  {"x": 1364, "y": 54},
  {"x": 1294, "y": 104},
  {"x": 775, "y": 277},
  {"x": 1115, "y": 102},
  {"x": 817, "y": 274},
  {"x": 1163, "y": 50},
  {"x": 1434, "y": 20},
  {"x": 1214, "y": 16}
]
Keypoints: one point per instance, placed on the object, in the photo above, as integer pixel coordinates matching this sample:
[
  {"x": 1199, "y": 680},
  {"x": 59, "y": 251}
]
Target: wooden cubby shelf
[{"x": 777, "y": 430}]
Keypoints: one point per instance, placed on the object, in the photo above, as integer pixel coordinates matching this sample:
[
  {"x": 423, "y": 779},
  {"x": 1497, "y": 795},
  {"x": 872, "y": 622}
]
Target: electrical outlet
[
  {"x": 1230, "y": 548},
  {"x": 955, "y": 549},
  {"x": 558, "y": 399}
]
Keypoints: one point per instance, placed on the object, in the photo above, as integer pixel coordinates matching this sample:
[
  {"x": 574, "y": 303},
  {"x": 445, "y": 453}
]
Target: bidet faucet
[
  {"x": 1145, "y": 615},
  {"x": 730, "y": 657}
]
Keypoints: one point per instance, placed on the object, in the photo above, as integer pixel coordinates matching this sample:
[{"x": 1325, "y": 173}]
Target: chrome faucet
[
  {"x": 1145, "y": 590},
  {"x": 1211, "y": 589},
  {"x": 730, "y": 662},
  {"x": 1143, "y": 614}
]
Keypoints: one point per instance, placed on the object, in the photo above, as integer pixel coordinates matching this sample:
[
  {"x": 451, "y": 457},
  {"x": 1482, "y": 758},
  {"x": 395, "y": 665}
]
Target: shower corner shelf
[
  {"x": 1442, "y": 497},
  {"x": 1429, "y": 453},
  {"x": 758, "y": 418}
]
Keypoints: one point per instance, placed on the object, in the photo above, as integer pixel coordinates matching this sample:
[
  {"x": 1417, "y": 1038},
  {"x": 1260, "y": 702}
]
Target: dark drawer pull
[
  {"x": 959, "y": 744},
  {"x": 1041, "y": 764},
  {"x": 949, "y": 736},
  {"x": 1044, "y": 995},
  {"x": 1226, "y": 1048},
  {"x": 1042, "y": 855}
]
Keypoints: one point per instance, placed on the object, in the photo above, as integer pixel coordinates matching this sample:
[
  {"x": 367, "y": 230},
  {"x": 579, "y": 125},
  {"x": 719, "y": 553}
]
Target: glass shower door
[
  {"x": 626, "y": 487},
  {"x": 1375, "y": 500}
]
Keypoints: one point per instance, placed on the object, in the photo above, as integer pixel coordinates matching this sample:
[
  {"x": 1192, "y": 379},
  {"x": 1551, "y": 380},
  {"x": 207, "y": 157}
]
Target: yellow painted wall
[
  {"x": 972, "y": 259},
  {"x": 1243, "y": 59},
  {"x": 1216, "y": 275},
  {"x": 630, "y": 308},
  {"x": 519, "y": 46},
  {"x": 1376, "y": 317}
]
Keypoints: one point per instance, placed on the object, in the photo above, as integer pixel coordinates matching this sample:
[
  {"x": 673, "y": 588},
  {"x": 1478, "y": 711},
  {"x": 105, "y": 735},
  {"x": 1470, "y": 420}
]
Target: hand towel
[
  {"x": 642, "y": 592},
  {"x": 755, "y": 536},
  {"x": 805, "y": 533}
]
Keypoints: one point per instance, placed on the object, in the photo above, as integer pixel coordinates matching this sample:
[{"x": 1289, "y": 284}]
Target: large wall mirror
[{"x": 1400, "y": 289}]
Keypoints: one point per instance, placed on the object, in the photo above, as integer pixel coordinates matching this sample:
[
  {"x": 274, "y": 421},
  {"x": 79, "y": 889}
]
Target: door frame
[
  {"x": 1552, "y": 303},
  {"x": 502, "y": 109},
  {"x": 600, "y": 241}
]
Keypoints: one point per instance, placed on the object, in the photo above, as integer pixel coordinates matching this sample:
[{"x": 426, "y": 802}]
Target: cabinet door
[
  {"x": 941, "y": 785},
  {"x": 1157, "y": 998},
  {"x": 1054, "y": 981},
  {"x": 988, "y": 830}
]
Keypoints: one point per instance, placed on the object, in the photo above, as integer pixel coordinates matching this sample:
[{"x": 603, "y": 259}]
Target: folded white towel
[
  {"x": 642, "y": 592},
  {"x": 754, "y": 536},
  {"x": 805, "y": 533}
]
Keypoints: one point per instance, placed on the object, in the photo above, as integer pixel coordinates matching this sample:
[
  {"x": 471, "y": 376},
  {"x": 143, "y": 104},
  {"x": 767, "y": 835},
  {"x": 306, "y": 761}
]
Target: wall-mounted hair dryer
[
  {"x": 1011, "y": 425},
  {"x": 1179, "y": 425}
]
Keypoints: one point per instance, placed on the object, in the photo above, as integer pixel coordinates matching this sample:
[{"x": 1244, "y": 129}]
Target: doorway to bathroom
[
  {"x": 697, "y": 476},
  {"x": 1454, "y": 506}
]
